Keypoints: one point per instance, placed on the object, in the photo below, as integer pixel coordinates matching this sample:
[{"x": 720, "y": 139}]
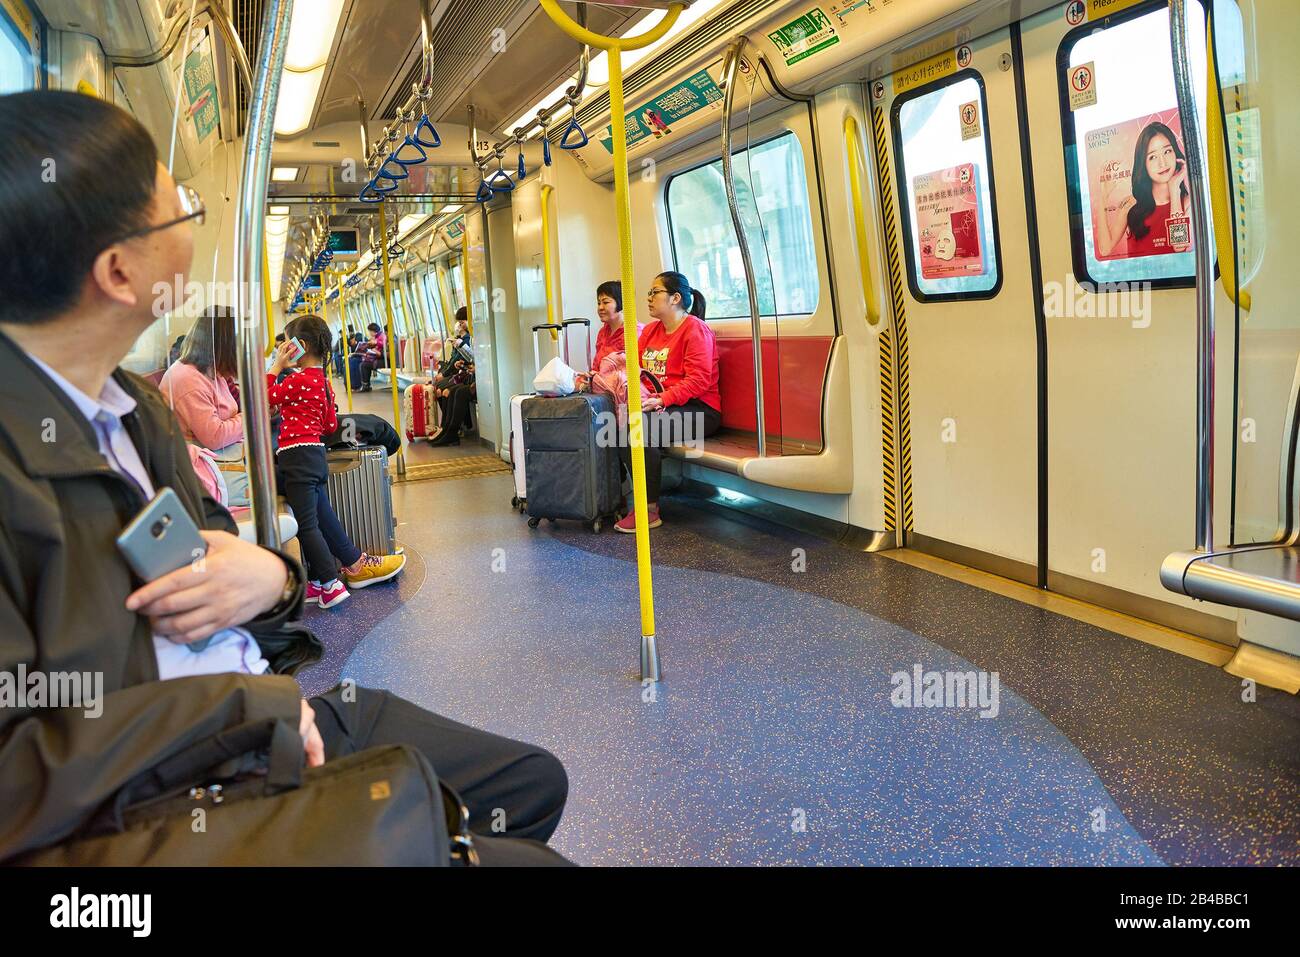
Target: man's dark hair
[
  {"x": 76, "y": 174},
  {"x": 462, "y": 314}
]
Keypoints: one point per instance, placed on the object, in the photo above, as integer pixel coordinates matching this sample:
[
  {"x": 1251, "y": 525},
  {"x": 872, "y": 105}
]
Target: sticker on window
[
  {"x": 948, "y": 222},
  {"x": 1137, "y": 179}
]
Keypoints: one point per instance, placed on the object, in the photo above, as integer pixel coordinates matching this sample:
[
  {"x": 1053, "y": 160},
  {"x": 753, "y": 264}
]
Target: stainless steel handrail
[
  {"x": 1198, "y": 181},
  {"x": 250, "y": 242},
  {"x": 730, "y": 67}
]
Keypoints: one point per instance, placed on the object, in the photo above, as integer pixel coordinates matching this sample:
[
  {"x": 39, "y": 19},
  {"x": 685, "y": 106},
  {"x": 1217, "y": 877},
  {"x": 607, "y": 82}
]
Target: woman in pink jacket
[{"x": 201, "y": 389}]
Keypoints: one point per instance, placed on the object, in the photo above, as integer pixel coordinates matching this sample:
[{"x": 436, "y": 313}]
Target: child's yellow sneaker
[{"x": 373, "y": 569}]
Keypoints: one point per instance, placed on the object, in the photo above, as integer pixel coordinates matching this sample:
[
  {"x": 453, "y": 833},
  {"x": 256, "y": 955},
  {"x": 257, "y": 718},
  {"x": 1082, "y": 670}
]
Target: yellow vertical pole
[
  {"x": 388, "y": 312},
  {"x": 448, "y": 316},
  {"x": 266, "y": 303},
  {"x": 464, "y": 274},
  {"x": 548, "y": 283},
  {"x": 347, "y": 366},
  {"x": 623, "y": 210}
]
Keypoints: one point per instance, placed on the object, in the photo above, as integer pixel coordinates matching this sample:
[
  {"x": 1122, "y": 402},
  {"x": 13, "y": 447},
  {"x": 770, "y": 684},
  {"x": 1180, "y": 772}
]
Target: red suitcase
[{"x": 422, "y": 413}]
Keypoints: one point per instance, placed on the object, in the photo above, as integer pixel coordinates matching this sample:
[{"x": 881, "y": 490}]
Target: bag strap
[{"x": 656, "y": 386}]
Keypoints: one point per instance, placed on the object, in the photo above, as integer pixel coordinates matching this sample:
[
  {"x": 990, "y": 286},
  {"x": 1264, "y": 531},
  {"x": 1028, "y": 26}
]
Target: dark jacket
[{"x": 63, "y": 585}]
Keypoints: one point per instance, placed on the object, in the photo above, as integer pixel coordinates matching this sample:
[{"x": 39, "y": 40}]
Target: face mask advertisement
[
  {"x": 948, "y": 222},
  {"x": 1137, "y": 181}
]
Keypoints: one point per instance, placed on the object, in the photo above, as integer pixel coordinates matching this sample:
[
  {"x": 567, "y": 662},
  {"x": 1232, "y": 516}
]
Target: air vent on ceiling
[
  {"x": 247, "y": 15},
  {"x": 456, "y": 51},
  {"x": 724, "y": 25},
  {"x": 326, "y": 144}
]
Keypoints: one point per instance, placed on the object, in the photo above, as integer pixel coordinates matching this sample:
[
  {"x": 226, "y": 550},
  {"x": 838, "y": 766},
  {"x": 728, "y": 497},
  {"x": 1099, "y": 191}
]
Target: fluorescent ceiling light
[
  {"x": 311, "y": 33},
  {"x": 279, "y": 211},
  {"x": 451, "y": 208},
  {"x": 409, "y": 222},
  {"x": 298, "y": 92},
  {"x": 285, "y": 174}
]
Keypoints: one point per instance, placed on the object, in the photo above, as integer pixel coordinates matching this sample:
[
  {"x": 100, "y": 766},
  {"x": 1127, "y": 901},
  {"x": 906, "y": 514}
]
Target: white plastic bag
[{"x": 556, "y": 378}]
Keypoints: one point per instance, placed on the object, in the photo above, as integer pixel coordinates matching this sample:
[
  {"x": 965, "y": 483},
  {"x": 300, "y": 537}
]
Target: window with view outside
[
  {"x": 15, "y": 58},
  {"x": 772, "y": 194}
]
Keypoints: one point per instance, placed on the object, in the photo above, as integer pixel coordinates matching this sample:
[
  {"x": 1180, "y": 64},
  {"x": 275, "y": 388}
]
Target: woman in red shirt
[{"x": 680, "y": 350}]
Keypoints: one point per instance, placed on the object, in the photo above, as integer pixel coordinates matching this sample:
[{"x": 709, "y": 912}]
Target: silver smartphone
[{"x": 161, "y": 539}]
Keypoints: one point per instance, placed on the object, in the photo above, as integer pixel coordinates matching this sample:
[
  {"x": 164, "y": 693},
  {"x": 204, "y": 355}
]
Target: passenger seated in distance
[
  {"x": 70, "y": 309},
  {"x": 680, "y": 350}
]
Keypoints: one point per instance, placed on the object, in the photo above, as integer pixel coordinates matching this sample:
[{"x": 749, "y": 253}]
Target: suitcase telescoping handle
[
  {"x": 553, "y": 327},
  {"x": 586, "y": 358}
]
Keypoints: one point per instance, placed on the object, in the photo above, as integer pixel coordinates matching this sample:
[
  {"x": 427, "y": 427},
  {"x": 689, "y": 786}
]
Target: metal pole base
[{"x": 649, "y": 659}]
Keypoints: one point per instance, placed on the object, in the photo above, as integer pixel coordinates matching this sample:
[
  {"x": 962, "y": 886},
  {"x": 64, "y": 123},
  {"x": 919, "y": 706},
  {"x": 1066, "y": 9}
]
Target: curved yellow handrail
[
  {"x": 547, "y": 266},
  {"x": 266, "y": 302},
  {"x": 1219, "y": 184},
  {"x": 623, "y": 209},
  {"x": 857, "y": 162},
  {"x": 583, "y": 35}
]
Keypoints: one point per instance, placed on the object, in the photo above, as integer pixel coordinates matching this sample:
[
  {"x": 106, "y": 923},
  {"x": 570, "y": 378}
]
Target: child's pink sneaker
[{"x": 333, "y": 594}]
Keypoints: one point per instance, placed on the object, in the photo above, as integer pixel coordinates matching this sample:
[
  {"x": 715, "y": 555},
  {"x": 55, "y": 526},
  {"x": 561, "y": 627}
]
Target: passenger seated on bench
[
  {"x": 455, "y": 395},
  {"x": 70, "y": 308},
  {"x": 369, "y": 357},
  {"x": 202, "y": 389},
  {"x": 679, "y": 349},
  {"x": 308, "y": 414},
  {"x": 609, "y": 340}
]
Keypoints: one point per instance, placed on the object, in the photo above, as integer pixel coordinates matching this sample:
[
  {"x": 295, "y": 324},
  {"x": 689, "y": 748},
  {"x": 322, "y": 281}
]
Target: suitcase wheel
[
  {"x": 410, "y": 436},
  {"x": 534, "y": 522},
  {"x": 514, "y": 501}
]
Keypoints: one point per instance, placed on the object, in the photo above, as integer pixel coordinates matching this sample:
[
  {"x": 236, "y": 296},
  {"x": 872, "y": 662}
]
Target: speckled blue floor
[{"x": 772, "y": 738}]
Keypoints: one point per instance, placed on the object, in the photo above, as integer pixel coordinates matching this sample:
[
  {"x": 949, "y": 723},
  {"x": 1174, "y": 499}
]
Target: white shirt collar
[{"x": 113, "y": 399}]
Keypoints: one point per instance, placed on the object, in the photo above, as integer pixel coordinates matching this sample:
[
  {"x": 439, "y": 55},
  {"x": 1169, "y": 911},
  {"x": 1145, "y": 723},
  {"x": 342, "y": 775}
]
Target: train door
[
  {"x": 959, "y": 269},
  {"x": 1119, "y": 306}
]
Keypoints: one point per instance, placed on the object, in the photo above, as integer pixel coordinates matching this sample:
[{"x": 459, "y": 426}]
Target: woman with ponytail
[{"x": 680, "y": 350}]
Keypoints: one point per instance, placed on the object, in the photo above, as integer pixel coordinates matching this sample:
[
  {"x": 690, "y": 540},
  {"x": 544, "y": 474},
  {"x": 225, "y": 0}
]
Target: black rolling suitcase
[{"x": 569, "y": 474}]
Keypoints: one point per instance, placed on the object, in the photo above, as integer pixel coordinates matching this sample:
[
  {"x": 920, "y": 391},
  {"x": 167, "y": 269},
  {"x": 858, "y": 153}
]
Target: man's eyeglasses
[{"x": 191, "y": 204}]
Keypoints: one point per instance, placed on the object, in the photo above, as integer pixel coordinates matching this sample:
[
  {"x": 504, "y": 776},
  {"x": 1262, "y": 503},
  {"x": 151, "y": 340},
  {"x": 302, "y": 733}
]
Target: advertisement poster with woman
[
  {"x": 1137, "y": 181},
  {"x": 948, "y": 222}
]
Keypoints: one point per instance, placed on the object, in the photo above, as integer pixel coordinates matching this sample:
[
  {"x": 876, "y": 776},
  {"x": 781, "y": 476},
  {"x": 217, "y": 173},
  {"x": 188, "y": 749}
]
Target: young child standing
[{"x": 307, "y": 413}]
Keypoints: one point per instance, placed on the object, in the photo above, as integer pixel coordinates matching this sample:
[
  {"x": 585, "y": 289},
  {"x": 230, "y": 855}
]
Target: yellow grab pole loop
[
  {"x": 547, "y": 265},
  {"x": 1219, "y": 184},
  {"x": 623, "y": 208},
  {"x": 391, "y": 344},
  {"x": 857, "y": 163}
]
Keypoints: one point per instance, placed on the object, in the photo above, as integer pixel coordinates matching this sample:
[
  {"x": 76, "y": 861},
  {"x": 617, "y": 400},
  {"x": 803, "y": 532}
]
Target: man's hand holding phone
[{"x": 234, "y": 582}]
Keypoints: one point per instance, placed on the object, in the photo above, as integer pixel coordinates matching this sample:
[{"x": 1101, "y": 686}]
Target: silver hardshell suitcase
[{"x": 362, "y": 496}]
